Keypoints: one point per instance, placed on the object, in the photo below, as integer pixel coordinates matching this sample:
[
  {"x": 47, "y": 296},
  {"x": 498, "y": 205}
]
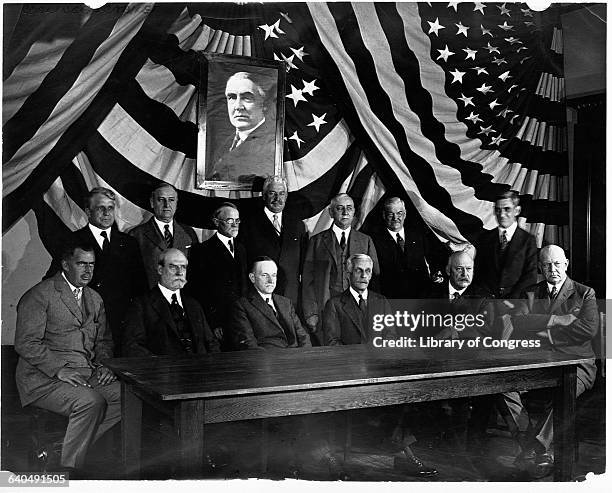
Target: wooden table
[{"x": 261, "y": 384}]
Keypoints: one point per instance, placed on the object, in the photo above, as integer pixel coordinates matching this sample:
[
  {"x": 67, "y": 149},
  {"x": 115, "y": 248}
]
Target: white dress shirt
[{"x": 97, "y": 234}]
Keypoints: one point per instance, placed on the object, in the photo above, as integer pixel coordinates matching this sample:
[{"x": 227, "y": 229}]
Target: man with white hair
[
  {"x": 273, "y": 231},
  {"x": 562, "y": 314}
]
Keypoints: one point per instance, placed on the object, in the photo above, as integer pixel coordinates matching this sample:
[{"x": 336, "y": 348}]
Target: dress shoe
[
  {"x": 336, "y": 471},
  {"x": 543, "y": 465},
  {"x": 413, "y": 466}
]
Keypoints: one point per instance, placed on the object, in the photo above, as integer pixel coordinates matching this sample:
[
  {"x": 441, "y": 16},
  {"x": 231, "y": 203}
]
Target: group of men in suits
[{"x": 260, "y": 283}]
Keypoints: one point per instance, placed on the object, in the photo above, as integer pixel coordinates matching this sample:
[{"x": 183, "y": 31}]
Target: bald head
[
  {"x": 460, "y": 269},
  {"x": 553, "y": 264}
]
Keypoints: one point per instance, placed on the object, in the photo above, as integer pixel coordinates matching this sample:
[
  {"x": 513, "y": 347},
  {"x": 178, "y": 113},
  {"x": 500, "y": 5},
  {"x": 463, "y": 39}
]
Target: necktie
[
  {"x": 231, "y": 246},
  {"x": 276, "y": 224},
  {"x": 456, "y": 296},
  {"x": 77, "y": 295},
  {"x": 105, "y": 242},
  {"x": 175, "y": 308},
  {"x": 362, "y": 305},
  {"x": 235, "y": 143},
  {"x": 553, "y": 293},
  {"x": 343, "y": 241},
  {"x": 504, "y": 241},
  {"x": 168, "y": 236},
  {"x": 400, "y": 242},
  {"x": 269, "y": 302}
]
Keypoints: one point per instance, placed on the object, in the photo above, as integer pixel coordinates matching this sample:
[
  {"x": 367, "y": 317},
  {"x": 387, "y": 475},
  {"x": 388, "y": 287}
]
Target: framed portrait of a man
[{"x": 240, "y": 121}]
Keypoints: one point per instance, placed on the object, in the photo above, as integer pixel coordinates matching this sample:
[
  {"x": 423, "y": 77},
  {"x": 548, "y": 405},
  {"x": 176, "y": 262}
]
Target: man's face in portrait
[{"x": 245, "y": 103}]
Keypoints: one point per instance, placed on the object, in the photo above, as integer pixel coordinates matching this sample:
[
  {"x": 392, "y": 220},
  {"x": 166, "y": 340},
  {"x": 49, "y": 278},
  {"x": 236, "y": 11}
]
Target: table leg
[
  {"x": 564, "y": 422},
  {"x": 189, "y": 421},
  {"x": 131, "y": 429}
]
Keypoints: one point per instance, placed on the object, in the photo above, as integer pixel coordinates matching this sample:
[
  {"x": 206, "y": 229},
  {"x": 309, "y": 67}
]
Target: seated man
[
  {"x": 263, "y": 319},
  {"x": 62, "y": 338},
  {"x": 166, "y": 320},
  {"x": 563, "y": 315},
  {"x": 346, "y": 320}
]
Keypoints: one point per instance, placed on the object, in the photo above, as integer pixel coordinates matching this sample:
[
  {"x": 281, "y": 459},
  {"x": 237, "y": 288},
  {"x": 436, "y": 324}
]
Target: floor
[{"x": 371, "y": 456}]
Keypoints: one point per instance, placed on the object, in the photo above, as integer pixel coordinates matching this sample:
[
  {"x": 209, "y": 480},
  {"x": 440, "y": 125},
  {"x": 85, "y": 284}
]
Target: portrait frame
[{"x": 220, "y": 164}]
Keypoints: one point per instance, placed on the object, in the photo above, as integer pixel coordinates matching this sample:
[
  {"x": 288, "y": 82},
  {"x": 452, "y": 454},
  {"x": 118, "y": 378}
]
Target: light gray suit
[{"x": 54, "y": 332}]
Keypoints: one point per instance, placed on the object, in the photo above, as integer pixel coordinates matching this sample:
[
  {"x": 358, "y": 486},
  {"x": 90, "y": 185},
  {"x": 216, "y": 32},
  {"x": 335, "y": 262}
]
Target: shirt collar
[
  {"x": 265, "y": 296},
  {"x": 355, "y": 294},
  {"x": 167, "y": 293},
  {"x": 243, "y": 134},
  {"x": 225, "y": 240},
  {"x": 394, "y": 234},
  {"x": 452, "y": 290},
  {"x": 558, "y": 285},
  {"x": 70, "y": 285},
  {"x": 162, "y": 225},
  {"x": 96, "y": 232},
  {"x": 509, "y": 231},
  {"x": 271, "y": 214},
  {"x": 338, "y": 232}
]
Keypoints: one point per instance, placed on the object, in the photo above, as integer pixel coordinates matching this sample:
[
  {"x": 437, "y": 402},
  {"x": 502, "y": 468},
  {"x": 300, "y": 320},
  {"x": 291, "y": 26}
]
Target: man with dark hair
[
  {"x": 325, "y": 274},
  {"x": 262, "y": 319},
  {"x": 271, "y": 231},
  {"x": 119, "y": 275},
  {"x": 250, "y": 151},
  {"x": 411, "y": 259},
  {"x": 166, "y": 320},
  {"x": 217, "y": 276},
  {"x": 62, "y": 339},
  {"x": 507, "y": 255},
  {"x": 162, "y": 231}
]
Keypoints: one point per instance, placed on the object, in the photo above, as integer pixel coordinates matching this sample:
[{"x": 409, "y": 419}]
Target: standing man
[
  {"x": 162, "y": 231},
  {"x": 166, "y": 320},
  {"x": 562, "y": 314},
  {"x": 269, "y": 231},
  {"x": 410, "y": 259},
  {"x": 325, "y": 274},
  {"x": 507, "y": 255},
  {"x": 119, "y": 275},
  {"x": 218, "y": 274},
  {"x": 62, "y": 340},
  {"x": 262, "y": 319},
  {"x": 250, "y": 150}
]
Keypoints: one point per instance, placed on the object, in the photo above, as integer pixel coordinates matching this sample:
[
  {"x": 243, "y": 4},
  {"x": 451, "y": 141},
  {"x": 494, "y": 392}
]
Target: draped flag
[{"x": 444, "y": 104}]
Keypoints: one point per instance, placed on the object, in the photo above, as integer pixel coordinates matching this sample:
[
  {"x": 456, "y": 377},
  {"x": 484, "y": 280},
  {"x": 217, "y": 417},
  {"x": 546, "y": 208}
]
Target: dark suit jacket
[
  {"x": 510, "y": 276},
  {"x": 318, "y": 266},
  {"x": 118, "y": 276},
  {"x": 404, "y": 275},
  {"x": 254, "y": 325},
  {"x": 152, "y": 243},
  {"x": 287, "y": 250},
  {"x": 255, "y": 156},
  {"x": 343, "y": 323},
  {"x": 151, "y": 330},
  {"x": 216, "y": 279},
  {"x": 53, "y": 332},
  {"x": 576, "y": 338}
]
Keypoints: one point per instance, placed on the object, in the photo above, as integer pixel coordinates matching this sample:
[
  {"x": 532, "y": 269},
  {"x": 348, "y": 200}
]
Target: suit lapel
[
  {"x": 351, "y": 309},
  {"x": 564, "y": 293},
  {"x": 224, "y": 251},
  {"x": 67, "y": 297},
  {"x": 161, "y": 306},
  {"x": 154, "y": 235},
  {"x": 328, "y": 241},
  {"x": 283, "y": 321},
  {"x": 258, "y": 302}
]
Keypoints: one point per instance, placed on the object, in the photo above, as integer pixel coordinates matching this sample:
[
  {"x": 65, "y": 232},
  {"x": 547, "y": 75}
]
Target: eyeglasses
[
  {"x": 393, "y": 215},
  {"x": 177, "y": 269},
  {"x": 230, "y": 222}
]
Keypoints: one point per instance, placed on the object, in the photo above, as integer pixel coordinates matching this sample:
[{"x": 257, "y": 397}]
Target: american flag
[{"x": 446, "y": 104}]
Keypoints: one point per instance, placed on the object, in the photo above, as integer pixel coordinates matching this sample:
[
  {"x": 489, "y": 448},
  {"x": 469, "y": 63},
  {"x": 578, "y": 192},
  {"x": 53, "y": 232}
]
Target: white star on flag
[
  {"x": 504, "y": 76},
  {"x": 269, "y": 31},
  {"x": 492, "y": 48},
  {"x": 497, "y": 140},
  {"x": 486, "y": 130},
  {"x": 527, "y": 12},
  {"x": 513, "y": 86},
  {"x": 485, "y": 30},
  {"x": 480, "y": 70},
  {"x": 296, "y": 95},
  {"x": 297, "y": 139},
  {"x": 317, "y": 121},
  {"x": 445, "y": 53},
  {"x": 300, "y": 53},
  {"x": 434, "y": 27},
  {"x": 499, "y": 61},
  {"x": 484, "y": 89},
  {"x": 453, "y": 5},
  {"x": 470, "y": 53},
  {"x": 505, "y": 112},
  {"x": 493, "y": 104},
  {"x": 473, "y": 117},
  {"x": 512, "y": 40},
  {"x": 503, "y": 10},
  {"x": 289, "y": 61},
  {"x": 523, "y": 59},
  {"x": 466, "y": 101},
  {"x": 309, "y": 87},
  {"x": 521, "y": 48},
  {"x": 461, "y": 29},
  {"x": 479, "y": 6},
  {"x": 457, "y": 76},
  {"x": 505, "y": 26},
  {"x": 513, "y": 118}
]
